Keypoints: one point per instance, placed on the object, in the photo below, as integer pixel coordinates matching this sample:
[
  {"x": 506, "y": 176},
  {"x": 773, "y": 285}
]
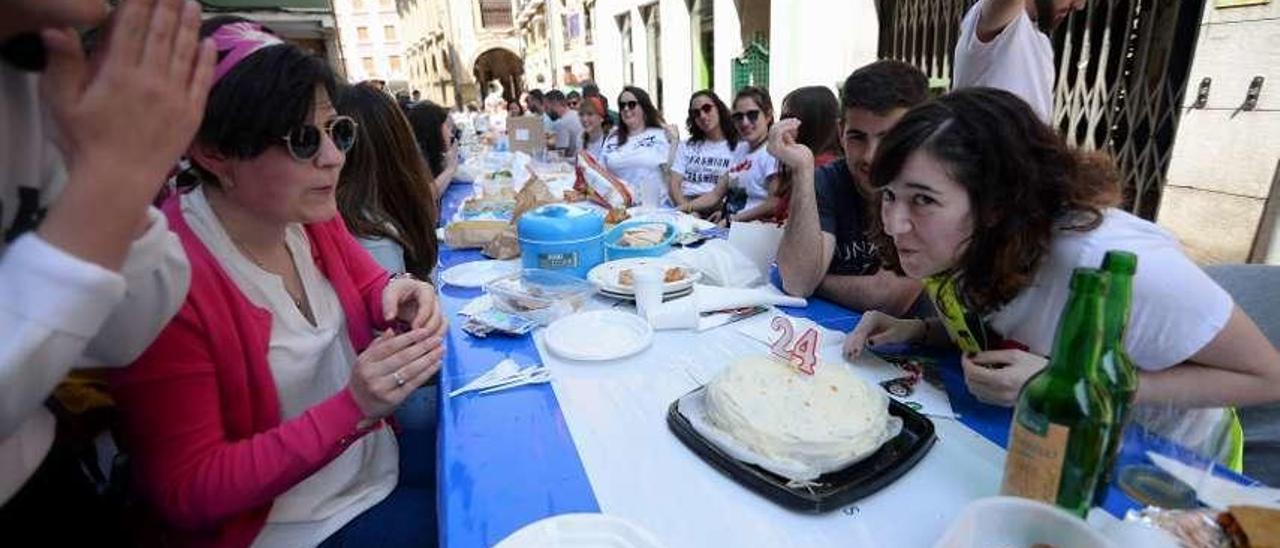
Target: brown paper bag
[{"x": 506, "y": 244}]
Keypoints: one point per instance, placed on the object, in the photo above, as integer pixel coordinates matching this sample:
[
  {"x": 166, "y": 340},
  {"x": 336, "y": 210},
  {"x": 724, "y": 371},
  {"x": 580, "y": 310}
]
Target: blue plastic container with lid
[{"x": 562, "y": 237}]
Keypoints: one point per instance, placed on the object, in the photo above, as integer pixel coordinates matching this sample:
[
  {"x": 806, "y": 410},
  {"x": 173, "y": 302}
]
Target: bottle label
[{"x": 1037, "y": 450}]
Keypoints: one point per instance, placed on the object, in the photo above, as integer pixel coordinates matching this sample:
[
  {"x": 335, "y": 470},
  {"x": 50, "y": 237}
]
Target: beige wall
[
  {"x": 375, "y": 54},
  {"x": 1224, "y": 165}
]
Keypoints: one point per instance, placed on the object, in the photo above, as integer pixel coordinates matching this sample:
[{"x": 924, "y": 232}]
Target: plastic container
[
  {"x": 540, "y": 295},
  {"x": 613, "y": 251},
  {"x": 561, "y": 237},
  {"x": 1009, "y": 521}
]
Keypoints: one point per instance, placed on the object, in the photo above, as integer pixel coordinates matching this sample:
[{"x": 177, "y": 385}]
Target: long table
[{"x": 508, "y": 461}]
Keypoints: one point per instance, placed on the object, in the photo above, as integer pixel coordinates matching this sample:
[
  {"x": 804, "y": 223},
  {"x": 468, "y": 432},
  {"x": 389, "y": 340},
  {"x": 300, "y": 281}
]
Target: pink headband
[{"x": 236, "y": 41}]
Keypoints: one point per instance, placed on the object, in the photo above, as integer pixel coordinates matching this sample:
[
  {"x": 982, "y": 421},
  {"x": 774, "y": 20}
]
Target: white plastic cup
[{"x": 649, "y": 281}]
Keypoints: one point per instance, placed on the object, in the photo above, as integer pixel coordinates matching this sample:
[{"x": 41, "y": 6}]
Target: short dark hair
[
  {"x": 261, "y": 98},
  {"x": 573, "y": 94},
  {"x": 590, "y": 89},
  {"x": 426, "y": 119},
  {"x": 554, "y": 96},
  {"x": 536, "y": 94},
  {"x": 883, "y": 86},
  {"x": 1024, "y": 182}
]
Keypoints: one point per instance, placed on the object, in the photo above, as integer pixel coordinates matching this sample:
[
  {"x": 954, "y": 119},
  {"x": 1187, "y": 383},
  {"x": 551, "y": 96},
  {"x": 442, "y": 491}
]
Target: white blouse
[{"x": 309, "y": 363}]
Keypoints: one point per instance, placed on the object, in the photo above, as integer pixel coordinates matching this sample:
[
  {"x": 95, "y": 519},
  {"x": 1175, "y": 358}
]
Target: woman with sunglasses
[
  {"x": 257, "y": 415},
  {"x": 745, "y": 187},
  {"x": 988, "y": 206},
  {"x": 638, "y": 150},
  {"x": 384, "y": 192},
  {"x": 712, "y": 148},
  {"x": 438, "y": 139},
  {"x": 595, "y": 125}
]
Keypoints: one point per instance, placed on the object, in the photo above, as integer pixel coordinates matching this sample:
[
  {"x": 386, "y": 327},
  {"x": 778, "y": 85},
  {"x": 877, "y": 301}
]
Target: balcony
[{"x": 495, "y": 14}]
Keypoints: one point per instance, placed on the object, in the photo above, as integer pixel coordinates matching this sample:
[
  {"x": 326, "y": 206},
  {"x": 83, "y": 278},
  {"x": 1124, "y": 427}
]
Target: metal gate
[{"x": 1122, "y": 71}]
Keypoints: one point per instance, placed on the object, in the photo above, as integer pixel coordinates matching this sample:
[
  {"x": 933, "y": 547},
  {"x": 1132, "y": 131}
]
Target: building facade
[
  {"x": 310, "y": 24},
  {"x": 673, "y": 48},
  {"x": 457, "y": 50},
  {"x": 1222, "y": 196},
  {"x": 373, "y": 42},
  {"x": 556, "y": 42}
]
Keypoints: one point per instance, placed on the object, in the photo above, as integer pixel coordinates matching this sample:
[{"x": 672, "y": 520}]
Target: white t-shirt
[
  {"x": 701, "y": 163},
  {"x": 1176, "y": 308},
  {"x": 309, "y": 363},
  {"x": 639, "y": 161},
  {"x": 752, "y": 175},
  {"x": 1018, "y": 60}
]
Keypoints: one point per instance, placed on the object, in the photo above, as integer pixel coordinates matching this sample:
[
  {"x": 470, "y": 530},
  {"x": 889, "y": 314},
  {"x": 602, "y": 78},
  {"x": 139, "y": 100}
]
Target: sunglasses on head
[
  {"x": 706, "y": 108},
  {"x": 628, "y": 105},
  {"x": 304, "y": 140},
  {"x": 750, "y": 115}
]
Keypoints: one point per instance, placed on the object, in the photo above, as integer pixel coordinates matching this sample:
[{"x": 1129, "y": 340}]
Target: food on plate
[
  {"x": 642, "y": 236},
  {"x": 824, "y": 420},
  {"x": 672, "y": 274}
]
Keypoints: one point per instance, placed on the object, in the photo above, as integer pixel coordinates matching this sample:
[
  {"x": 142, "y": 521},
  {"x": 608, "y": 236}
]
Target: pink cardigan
[{"x": 200, "y": 410}]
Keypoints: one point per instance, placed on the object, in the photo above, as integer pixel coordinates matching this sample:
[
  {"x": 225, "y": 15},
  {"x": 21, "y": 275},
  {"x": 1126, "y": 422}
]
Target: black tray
[{"x": 839, "y": 488}]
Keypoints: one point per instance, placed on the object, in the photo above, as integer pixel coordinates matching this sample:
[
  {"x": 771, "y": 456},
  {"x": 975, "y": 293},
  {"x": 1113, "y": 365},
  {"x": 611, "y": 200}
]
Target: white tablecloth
[{"x": 616, "y": 413}]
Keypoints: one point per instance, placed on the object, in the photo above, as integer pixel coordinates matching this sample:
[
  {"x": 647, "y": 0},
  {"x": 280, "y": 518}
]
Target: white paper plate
[
  {"x": 631, "y": 296},
  {"x": 598, "y": 335},
  {"x": 478, "y": 273},
  {"x": 580, "y": 531},
  {"x": 605, "y": 275}
]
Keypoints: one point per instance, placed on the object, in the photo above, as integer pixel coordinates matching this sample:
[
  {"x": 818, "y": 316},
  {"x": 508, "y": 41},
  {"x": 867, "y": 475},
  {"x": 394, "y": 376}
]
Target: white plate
[
  {"x": 631, "y": 296},
  {"x": 478, "y": 273},
  {"x": 605, "y": 275},
  {"x": 580, "y": 531},
  {"x": 598, "y": 335}
]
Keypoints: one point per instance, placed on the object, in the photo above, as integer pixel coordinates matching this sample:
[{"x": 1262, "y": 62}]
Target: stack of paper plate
[{"x": 607, "y": 277}]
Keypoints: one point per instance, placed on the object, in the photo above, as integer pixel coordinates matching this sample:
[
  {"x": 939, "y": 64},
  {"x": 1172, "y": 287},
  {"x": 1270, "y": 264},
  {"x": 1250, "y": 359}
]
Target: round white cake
[{"x": 825, "y": 420}]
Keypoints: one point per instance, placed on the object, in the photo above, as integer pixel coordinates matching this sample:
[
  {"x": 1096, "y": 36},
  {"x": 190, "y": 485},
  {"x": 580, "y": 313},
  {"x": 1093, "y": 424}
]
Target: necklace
[{"x": 298, "y": 301}]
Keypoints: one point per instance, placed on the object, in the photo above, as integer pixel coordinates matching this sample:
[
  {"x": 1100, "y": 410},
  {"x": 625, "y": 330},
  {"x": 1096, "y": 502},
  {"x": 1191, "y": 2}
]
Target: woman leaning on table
[
  {"x": 257, "y": 415},
  {"x": 990, "y": 208}
]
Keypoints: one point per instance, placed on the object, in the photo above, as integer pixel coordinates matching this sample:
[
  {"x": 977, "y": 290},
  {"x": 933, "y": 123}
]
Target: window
[
  {"x": 395, "y": 64},
  {"x": 702, "y": 35},
  {"x": 653, "y": 37},
  {"x": 389, "y": 32},
  {"x": 588, "y": 22},
  {"x": 369, "y": 69},
  {"x": 495, "y": 13},
  {"x": 628, "y": 66},
  {"x": 362, "y": 33}
]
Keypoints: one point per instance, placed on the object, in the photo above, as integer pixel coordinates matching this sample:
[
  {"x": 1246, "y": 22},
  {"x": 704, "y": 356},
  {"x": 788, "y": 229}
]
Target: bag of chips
[{"x": 602, "y": 187}]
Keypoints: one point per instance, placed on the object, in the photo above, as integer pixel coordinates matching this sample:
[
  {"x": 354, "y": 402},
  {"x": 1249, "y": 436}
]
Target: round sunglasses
[
  {"x": 750, "y": 115},
  {"x": 304, "y": 140},
  {"x": 706, "y": 108}
]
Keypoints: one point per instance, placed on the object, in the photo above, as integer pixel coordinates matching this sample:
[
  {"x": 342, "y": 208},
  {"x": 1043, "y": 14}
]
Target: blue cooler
[{"x": 562, "y": 237}]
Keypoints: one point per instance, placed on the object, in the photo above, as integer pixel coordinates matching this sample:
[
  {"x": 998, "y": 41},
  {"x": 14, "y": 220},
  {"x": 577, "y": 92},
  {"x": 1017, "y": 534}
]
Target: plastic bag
[{"x": 602, "y": 187}]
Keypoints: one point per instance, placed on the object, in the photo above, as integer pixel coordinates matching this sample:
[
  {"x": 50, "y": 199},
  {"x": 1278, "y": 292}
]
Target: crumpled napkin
[{"x": 721, "y": 264}]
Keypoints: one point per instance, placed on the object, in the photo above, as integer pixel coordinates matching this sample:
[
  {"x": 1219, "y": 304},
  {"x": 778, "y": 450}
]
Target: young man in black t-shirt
[{"x": 825, "y": 247}]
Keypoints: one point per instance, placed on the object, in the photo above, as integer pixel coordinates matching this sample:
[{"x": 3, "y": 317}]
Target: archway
[{"x": 502, "y": 65}]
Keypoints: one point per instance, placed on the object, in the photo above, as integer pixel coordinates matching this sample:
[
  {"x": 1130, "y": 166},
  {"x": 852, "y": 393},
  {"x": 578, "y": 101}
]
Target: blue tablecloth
[{"x": 506, "y": 462}]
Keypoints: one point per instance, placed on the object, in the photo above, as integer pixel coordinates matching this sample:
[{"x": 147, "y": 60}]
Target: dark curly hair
[
  {"x": 652, "y": 118},
  {"x": 727, "y": 129},
  {"x": 1023, "y": 182}
]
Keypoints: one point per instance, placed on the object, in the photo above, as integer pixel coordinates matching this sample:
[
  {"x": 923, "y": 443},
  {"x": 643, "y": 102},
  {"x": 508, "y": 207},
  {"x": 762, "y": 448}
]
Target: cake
[{"x": 822, "y": 421}]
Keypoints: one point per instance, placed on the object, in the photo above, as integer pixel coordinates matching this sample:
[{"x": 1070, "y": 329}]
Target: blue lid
[{"x": 560, "y": 222}]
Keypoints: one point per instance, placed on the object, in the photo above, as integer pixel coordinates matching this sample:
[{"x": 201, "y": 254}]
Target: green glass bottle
[
  {"x": 1062, "y": 417},
  {"x": 1116, "y": 373}
]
